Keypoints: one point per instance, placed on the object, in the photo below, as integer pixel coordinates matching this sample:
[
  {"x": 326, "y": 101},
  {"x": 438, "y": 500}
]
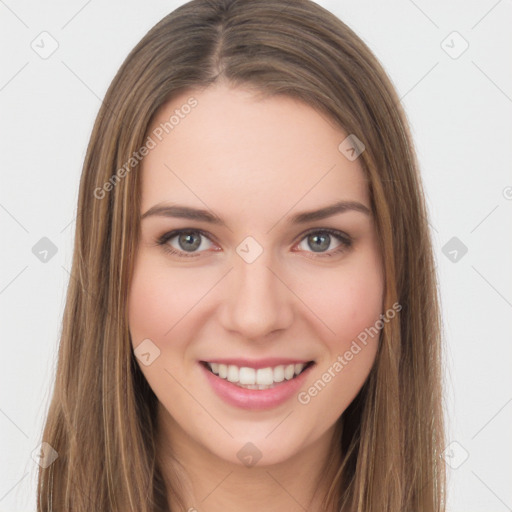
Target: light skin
[{"x": 255, "y": 164}]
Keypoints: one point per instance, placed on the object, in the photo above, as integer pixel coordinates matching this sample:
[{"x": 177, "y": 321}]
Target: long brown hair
[{"x": 101, "y": 419}]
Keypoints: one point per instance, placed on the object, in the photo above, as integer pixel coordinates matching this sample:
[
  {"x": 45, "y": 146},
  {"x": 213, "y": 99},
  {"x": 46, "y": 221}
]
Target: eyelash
[{"x": 345, "y": 242}]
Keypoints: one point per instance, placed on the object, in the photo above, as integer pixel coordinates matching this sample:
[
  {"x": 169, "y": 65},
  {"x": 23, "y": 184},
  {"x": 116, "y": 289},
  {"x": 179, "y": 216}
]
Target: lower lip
[{"x": 255, "y": 399}]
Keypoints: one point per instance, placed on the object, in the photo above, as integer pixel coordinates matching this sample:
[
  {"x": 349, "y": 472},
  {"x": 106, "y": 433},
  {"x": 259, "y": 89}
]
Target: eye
[
  {"x": 188, "y": 241},
  {"x": 320, "y": 241}
]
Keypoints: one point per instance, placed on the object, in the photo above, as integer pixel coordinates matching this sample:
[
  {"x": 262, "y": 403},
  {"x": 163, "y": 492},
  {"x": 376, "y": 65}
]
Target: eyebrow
[{"x": 185, "y": 212}]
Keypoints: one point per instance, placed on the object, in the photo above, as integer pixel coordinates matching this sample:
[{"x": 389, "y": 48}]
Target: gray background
[{"x": 459, "y": 108}]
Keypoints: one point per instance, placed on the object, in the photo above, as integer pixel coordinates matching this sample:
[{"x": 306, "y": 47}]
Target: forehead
[{"x": 233, "y": 152}]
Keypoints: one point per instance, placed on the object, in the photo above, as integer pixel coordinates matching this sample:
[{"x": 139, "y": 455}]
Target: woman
[{"x": 252, "y": 321}]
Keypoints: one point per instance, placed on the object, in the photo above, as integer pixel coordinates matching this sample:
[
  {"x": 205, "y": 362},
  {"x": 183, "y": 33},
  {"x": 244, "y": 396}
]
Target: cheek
[
  {"x": 346, "y": 302},
  {"x": 158, "y": 299},
  {"x": 351, "y": 307},
  {"x": 150, "y": 298},
  {"x": 359, "y": 305}
]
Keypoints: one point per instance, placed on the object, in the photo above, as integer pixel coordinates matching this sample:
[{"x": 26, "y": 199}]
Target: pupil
[
  {"x": 323, "y": 245},
  {"x": 186, "y": 241}
]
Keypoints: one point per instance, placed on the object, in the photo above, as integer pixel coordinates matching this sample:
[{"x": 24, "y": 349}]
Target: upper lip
[{"x": 257, "y": 363}]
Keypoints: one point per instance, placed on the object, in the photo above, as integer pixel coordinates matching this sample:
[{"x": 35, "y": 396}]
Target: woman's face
[{"x": 255, "y": 288}]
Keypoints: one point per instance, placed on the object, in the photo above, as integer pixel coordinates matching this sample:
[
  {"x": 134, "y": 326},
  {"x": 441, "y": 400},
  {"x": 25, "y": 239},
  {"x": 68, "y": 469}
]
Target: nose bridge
[{"x": 258, "y": 302}]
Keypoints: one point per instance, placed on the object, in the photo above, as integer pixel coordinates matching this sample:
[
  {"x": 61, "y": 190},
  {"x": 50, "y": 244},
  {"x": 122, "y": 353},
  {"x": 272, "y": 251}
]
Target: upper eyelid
[{"x": 176, "y": 232}]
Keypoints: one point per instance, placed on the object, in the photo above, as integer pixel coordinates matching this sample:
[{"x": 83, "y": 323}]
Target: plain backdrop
[{"x": 459, "y": 103}]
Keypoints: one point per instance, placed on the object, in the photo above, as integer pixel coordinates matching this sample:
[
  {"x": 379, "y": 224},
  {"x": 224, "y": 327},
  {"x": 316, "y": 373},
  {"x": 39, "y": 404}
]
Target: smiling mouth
[{"x": 261, "y": 378}]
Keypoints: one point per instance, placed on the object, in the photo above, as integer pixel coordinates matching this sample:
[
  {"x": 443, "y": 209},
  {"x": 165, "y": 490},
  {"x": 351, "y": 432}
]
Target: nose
[{"x": 257, "y": 301}]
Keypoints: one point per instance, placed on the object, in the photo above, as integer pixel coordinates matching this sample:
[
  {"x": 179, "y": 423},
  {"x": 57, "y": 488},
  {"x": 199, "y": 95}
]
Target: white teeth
[
  {"x": 289, "y": 371},
  {"x": 223, "y": 371},
  {"x": 233, "y": 373},
  {"x": 250, "y": 378},
  {"x": 279, "y": 373},
  {"x": 264, "y": 377},
  {"x": 247, "y": 375}
]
